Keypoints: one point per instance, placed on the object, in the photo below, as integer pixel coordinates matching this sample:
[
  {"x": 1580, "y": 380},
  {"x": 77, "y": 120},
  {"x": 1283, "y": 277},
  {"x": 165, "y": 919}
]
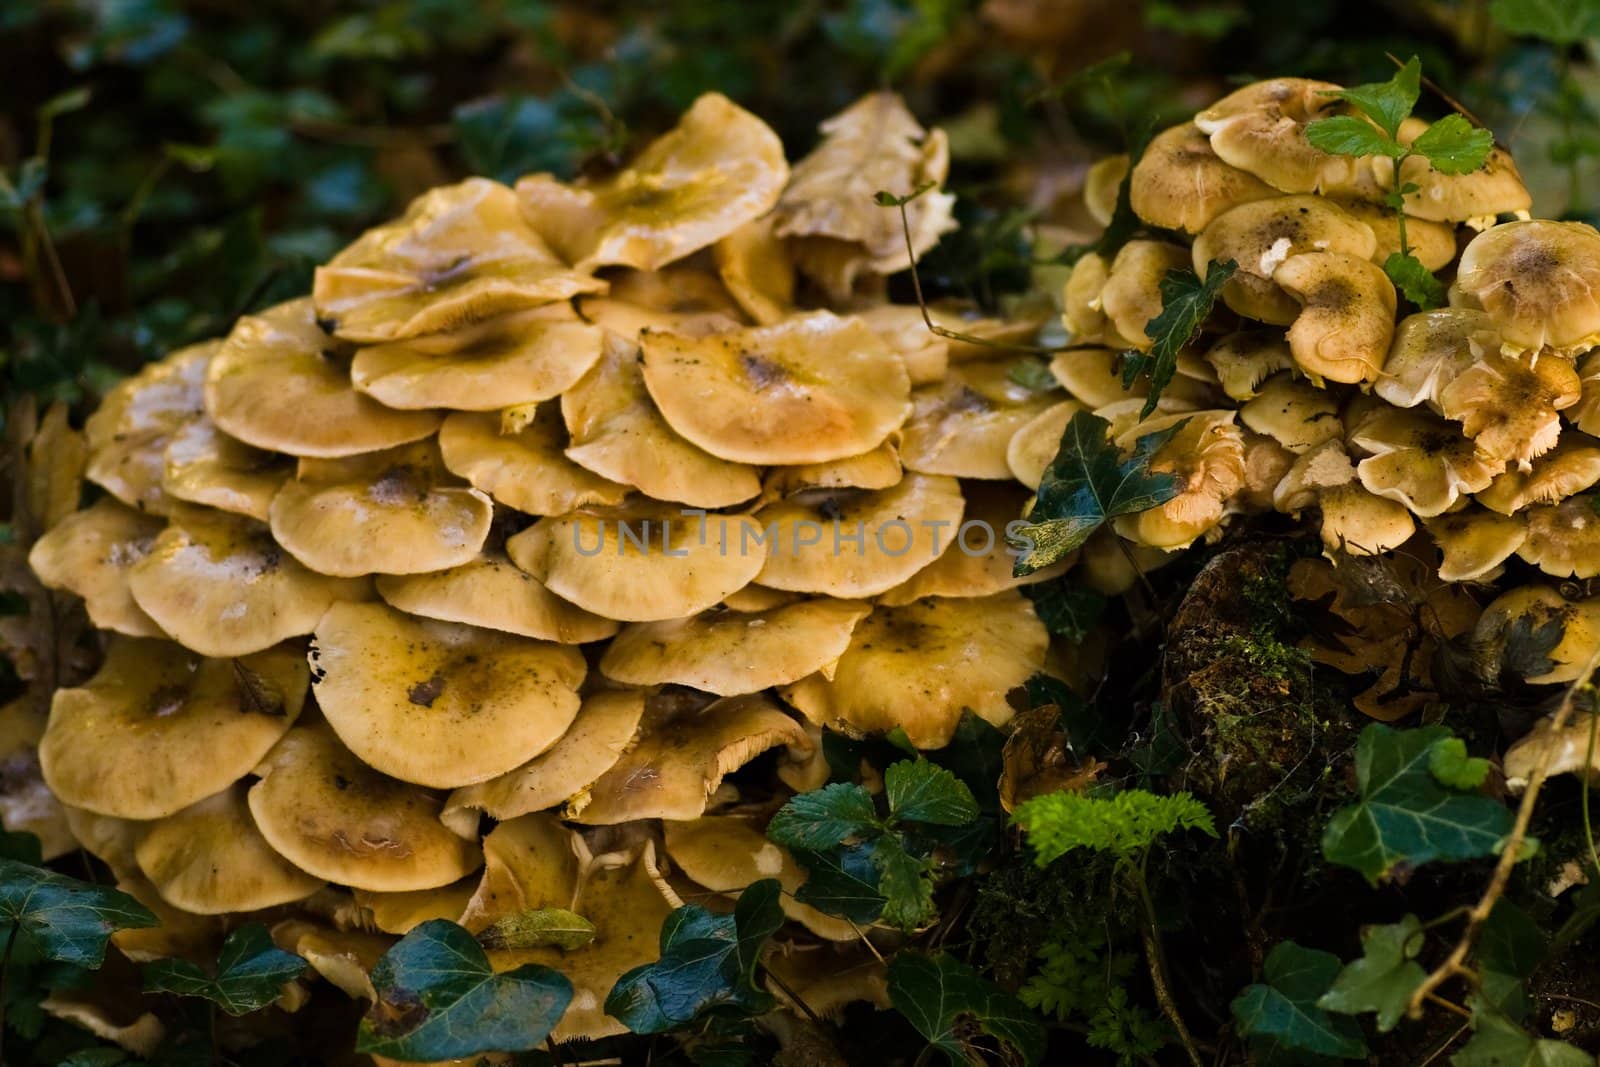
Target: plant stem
[{"x": 1156, "y": 961}]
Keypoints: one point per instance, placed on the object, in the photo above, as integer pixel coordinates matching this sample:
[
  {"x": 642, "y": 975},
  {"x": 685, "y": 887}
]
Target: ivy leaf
[
  {"x": 824, "y": 818},
  {"x": 1563, "y": 22},
  {"x": 921, "y": 791},
  {"x": 707, "y": 961},
  {"x": 65, "y": 919},
  {"x": 1404, "y": 815},
  {"x": 1280, "y": 1016},
  {"x": 1186, "y": 303},
  {"x": 1415, "y": 282},
  {"x": 250, "y": 973},
  {"x": 538, "y": 926},
  {"x": 1454, "y": 146},
  {"x": 1499, "y": 1042},
  {"x": 1068, "y": 611},
  {"x": 438, "y": 999},
  {"x": 1509, "y": 950},
  {"x": 842, "y": 882},
  {"x": 1385, "y": 976},
  {"x": 1088, "y": 483},
  {"x": 1346, "y": 135},
  {"x": 906, "y": 885},
  {"x": 1386, "y": 103},
  {"x": 1450, "y": 765},
  {"x": 941, "y": 997}
]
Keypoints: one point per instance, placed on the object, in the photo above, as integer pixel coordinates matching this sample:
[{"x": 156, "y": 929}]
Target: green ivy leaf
[
  {"x": 1563, "y": 22},
  {"x": 1121, "y": 824},
  {"x": 824, "y": 818},
  {"x": 95, "y": 1057},
  {"x": 921, "y": 791},
  {"x": 941, "y": 997},
  {"x": 1280, "y": 1016},
  {"x": 65, "y": 919},
  {"x": 1186, "y": 303},
  {"x": 538, "y": 926},
  {"x": 1403, "y": 815},
  {"x": 438, "y": 999},
  {"x": 1087, "y": 484},
  {"x": 1387, "y": 103},
  {"x": 906, "y": 884},
  {"x": 1385, "y": 976},
  {"x": 1347, "y": 135},
  {"x": 1499, "y": 1042},
  {"x": 1509, "y": 950},
  {"x": 707, "y": 961},
  {"x": 1415, "y": 282},
  {"x": 1067, "y": 610},
  {"x": 842, "y": 882},
  {"x": 250, "y": 973},
  {"x": 1450, "y": 765},
  {"x": 1454, "y": 146}
]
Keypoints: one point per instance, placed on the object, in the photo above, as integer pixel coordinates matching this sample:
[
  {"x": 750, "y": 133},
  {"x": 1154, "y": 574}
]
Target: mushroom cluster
[{"x": 468, "y": 583}]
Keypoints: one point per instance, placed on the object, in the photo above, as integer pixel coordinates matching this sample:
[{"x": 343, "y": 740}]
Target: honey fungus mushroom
[
  {"x": 1346, "y": 319},
  {"x": 1420, "y": 460},
  {"x": 492, "y": 592},
  {"x": 964, "y": 425},
  {"x": 90, "y": 553},
  {"x": 1354, "y": 520},
  {"x": 1510, "y": 407},
  {"x": 1180, "y": 183},
  {"x": 127, "y": 436},
  {"x": 1261, "y": 129},
  {"x": 203, "y": 465},
  {"x": 1534, "y": 281},
  {"x": 1205, "y": 456},
  {"x": 526, "y": 469}
]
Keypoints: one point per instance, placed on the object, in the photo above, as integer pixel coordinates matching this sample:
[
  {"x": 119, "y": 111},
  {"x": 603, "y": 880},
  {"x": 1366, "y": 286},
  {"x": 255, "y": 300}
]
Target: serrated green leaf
[
  {"x": 1389, "y": 102},
  {"x": 1415, "y": 282},
  {"x": 1186, "y": 303},
  {"x": 941, "y": 996},
  {"x": 1499, "y": 1042},
  {"x": 824, "y": 818},
  {"x": 63, "y": 918},
  {"x": 1347, "y": 135},
  {"x": 438, "y": 999},
  {"x": 1404, "y": 816},
  {"x": 1454, "y": 146},
  {"x": 250, "y": 973},
  {"x": 1120, "y": 824},
  {"x": 1280, "y": 1016},
  {"x": 1385, "y": 976},
  {"x": 906, "y": 885},
  {"x": 1563, "y": 22},
  {"x": 922, "y": 791},
  {"x": 538, "y": 926},
  {"x": 842, "y": 882},
  {"x": 1450, "y": 765}
]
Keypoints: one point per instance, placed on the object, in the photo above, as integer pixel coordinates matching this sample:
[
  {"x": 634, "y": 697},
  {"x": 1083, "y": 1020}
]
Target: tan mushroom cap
[
  {"x": 1346, "y": 319},
  {"x": 1180, "y": 183},
  {"x": 857, "y": 543},
  {"x": 1206, "y": 457},
  {"x": 117, "y": 1016},
  {"x": 1420, "y": 460},
  {"x": 1131, "y": 296},
  {"x": 754, "y": 265},
  {"x": 877, "y": 469},
  {"x": 1091, "y": 376},
  {"x": 1429, "y": 350},
  {"x": 1533, "y": 609},
  {"x": 333, "y": 816},
  {"x": 1474, "y": 542},
  {"x": 1261, "y": 235},
  {"x": 389, "y": 512},
  {"x": 682, "y": 754},
  {"x": 641, "y": 562},
  {"x": 1354, "y": 520},
  {"x": 1564, "y": 539},
  {"x": 1572, "y": 466},
  {"x": 128, "y": 432},
  {"x": 719, "y": 168},
  {"x": 1495, "y": 188},
  {"x": 90, "y": 553},
  {"x": 1585, "y": 414},
  {"x": 1266, "y": 462},
  {"x": 1564, "y": 751},
  {"x": 460, "y": 254},
  {"x": 1244, "y": 359},
  {"x": 1293, "y": 412},
  {"x": 107, "y": 838},
  {"x": 1261, "y": 129},
  {"x": 400, "y": 913},
  {"x": 726, "y": 853},
  {"x": 926, "y": 354},
  {"x": 519, "y": 358},
  {"x": 26, "y": 803},
  {"x": 527, "y": 470},
  {"x": 277, "y": 383},
  {"x": 979, "y": 559},
  {"x": 919, "y": 665},
  {"x": 827, "y": 978},
  {"x": 494, "y": 593},
  {"x": 529, "y": 863},
  {"x": 1102, "y": 184},
  {"x": 344, "y": 957},
  {"x": 438, "y": 703},
  {"x": 1510, "y": 406},
  {"x": 813, "y": 388},
  {"x": 158, "y": 727},
  {"x": 203, "y": 465},
  {"x": 729, "y": 652},
  {"x": 963, "y": 425},
  {"x": 1535, "y": 281},
  {"x": 1082, "y": 313},
  {"x": 1033, "y": 448},
  {"x": 209, "y": 858},
  {"x": 219, "y": 585},
  {"x": 1432, "y": 243}
]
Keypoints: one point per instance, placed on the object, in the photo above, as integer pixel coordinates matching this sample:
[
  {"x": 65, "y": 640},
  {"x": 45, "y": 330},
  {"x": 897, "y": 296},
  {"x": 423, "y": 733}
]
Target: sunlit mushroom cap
[
  {"x": 1091, "y": 376},
  {"x": 1354, "y": 520},
  {"x": 90, "y": 553},
  {"x": 526, "y": 470},
  {"x": 606, "y": 725},
  {"x": 1535, "y": 279},
  {"x": 492, "y": 592},
  {"x": 400, "y": 913},
  {"x": 919, "y": 665},
  {"x": 390, "y": 512},
  {"x": 203, "y": 465},
  {"x": 1564, "y": 751},
  {"x": 1131, "y": 296},
  {"x": 1082, "y": 313},
  {"x": 1567, "y": 633},
  {"x": 730, "y": 652},
  {"x": 519, "y": 358},
  {"x": 1572, "y": 466},
  {"x": 1034, "y": 447},
  {"x": 1246, "y": 358},
  {"x": 277, "y": 383},
  {"x": 1261, "y": 129},
  {"x": 856, "y": 543},
  {"x": 158, "y": 727},
  {"x": 333, "y": 816},
  {"x": 130, "y": 429},
  {"x": 755, "y": 266},
  {"x": 1564, "y": 539},
  {"x": 814, "y": 387},
  {"x": 979, "y": 559},
  {"x": 209, "y": 858},
  {"x": 1432, "y": 243},
  {"x": 1181, "y": 184},
  {"x": 1585, "y": 414},
  {"x": 1293, "y": 412},
  {"x": 1510, "y": 406},
  {"x": 439, "y": 703},
  {"x": 1346, "y": 319},
  {"x": 1102, "y": 184},
  {"x": 1429, "y": 350},
  {"x": 529, "y": 863},
  {"x": 682, "y": 754},
  {"x": 1493, "y": 189},
  {"x": 719, "y": 168},
  {"x": 460, "y": 253},
  {"x": 1475, "y": 542},
  {"x": 344, "y": 957},
  {"x": 1265, "y": 464},
  {"x": 902, "y": 327},
  {"x": 963, "y": 425},
  {"x": 1205, "y": 456},
  {"x": 1420, "y": 460},
  {"x": 877, "y": 469}
]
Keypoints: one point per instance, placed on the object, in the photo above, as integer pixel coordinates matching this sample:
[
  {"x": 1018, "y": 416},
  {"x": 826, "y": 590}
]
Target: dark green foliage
[{"x": 250, "y": 973}]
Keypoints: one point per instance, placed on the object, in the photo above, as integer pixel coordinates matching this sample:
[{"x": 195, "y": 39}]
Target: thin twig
[
  {"x": 792, "y": 995},
  {"x": 1155, "y": 959}
]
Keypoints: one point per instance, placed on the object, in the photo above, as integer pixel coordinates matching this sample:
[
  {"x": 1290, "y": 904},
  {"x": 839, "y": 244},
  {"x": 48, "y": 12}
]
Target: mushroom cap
[
  {"x": 519, "y": 358},
  {"x": 1495, "y": 188},
  {"x": 331, "y": 815},
  {"x": 1033, "y": 448},
  {"x": 1572, "y": 466},
  {"x": 1262, "y": 234},
  {"x": 1346, "y": 319},
  {"x": 400, "y": 913},
  {"x": 219, "y": 585},
  {"x": 1082, "y": 313},
  {"x": 526, "y": 470},
  {"x": 1360, "y": 523},
  {"x": 460, "y": 254},
  {"x": 616, "y": 431},
  {"x": 926, "y": 354},
  {"x": 158, "y": 727},
  {"x": 1429, "y": 350},
  {"x": 389, "y": 512},
  {"x": 1432, "y": 243},
  {"x": 1131, "y": 296},
  {"x": 828, "y": 978},
  {"x": 1585, "y": 414},
  {"x": 529, "y": 863},
  {"x": 1102, "y": 184},
  {"x": 1293, "y": 412},
  {"x": 1206, "y": 456},
  {"x": 877, "y": 469},
  {"x": 1261, "y": 129},
  {"x": 979, "y": 560},
  {"x": 275, "y": 384},
  {"x": 718, "y": 169},
  {"x": 1564, "y": 751},
  {"x": 26, "y": 803},
  {"x": 812, "y": 388},
  {"x": 606, "y": 724},
  {"x": 494, "y": 593},
  {"x": 858, "y": 543},
  {"x": 1564, "y": 539},
  {"x": 1090, "y": 375},
  {"x": 1474, "y": 542},
  {"x": 964, "y": 425},
  {"x": 203, "y": 465},
  {"x": 1533, "y": 278},
  {"x": 1510, "y": 406},
  {"x": 137, "y": 417},
  {"x": 108, "y": 839},
  {"x": 439, "y": 703},
  {"x": 642, "y": 562},
  {"x": 730, "y": 652},
  {"x": 1531, "y": 610},
  {"x": 1420, "y": 460},
  {"x": 210, "y": 859},
  {"x": 754, "y": 265},
  {"x": 90, "y": 553},
  {"x": 1180, "y": 183},
  {"x": 919, "y": 665},
  {"x": 1265, "y": 464},
  {"x": 681, "y": 756},
  {"x": 344, "y": 957},
  {"x": 1323, "y": 466},
  {"x": 1244, "y": 359}
]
